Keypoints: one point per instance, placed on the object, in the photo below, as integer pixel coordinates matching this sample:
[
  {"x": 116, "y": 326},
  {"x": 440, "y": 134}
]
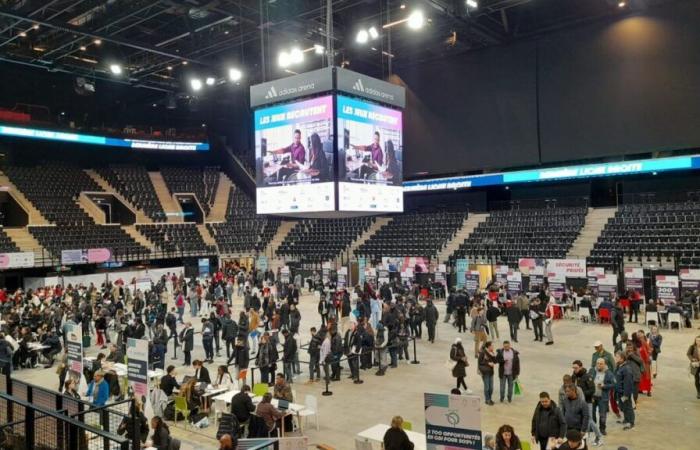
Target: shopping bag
[{"x": 517, "y": 388}]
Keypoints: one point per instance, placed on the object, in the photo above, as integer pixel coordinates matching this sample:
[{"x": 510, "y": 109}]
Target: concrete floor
[{"x": 666, "y": 420}]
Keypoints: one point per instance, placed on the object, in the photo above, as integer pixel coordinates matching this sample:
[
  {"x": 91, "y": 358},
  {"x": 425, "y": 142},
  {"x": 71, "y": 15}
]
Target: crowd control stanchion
[
  {"x": 252, "y": 376},
  {"x": 326, "y": 393},
  {"x": 415, "y": 360},
  {"x": 358, "y": 380}
]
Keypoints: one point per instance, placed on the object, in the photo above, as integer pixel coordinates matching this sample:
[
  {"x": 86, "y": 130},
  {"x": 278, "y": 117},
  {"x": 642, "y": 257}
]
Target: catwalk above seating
[
  {"x": 176, "y": 238},
  {"x": 203, "y": 182},
  {"x": 243, "y": 230},
  {"x": 86, "y": 236},
  {"x": 508, "y": 235},
  {"x": 318, "y": 240},
  {"x": 413, "y": 234},
  {"x": 134, "y": 184},
  {"x": 650, "y": 231},
  {"x": 54, "y": 190}
]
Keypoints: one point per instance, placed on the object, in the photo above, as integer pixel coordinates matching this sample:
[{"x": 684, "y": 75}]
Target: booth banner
[
  {"x": 326, "y": 272},
  {"x": 399, "y": 264},
  {"x": 89, "y": 256},
  {"x": 407, "y": 275},
  {"x": 472, "y": 281},
  {"x": 607, "y": 286},
  {"x": 371, "y": 275},
  {"x": 342, "y": 277},
  {"x": 593, "y": 274},
  {"x": 557, "y": 282},
  {"x": 530, "y": 266},
  {"x": 392, "y": 263},
  {"x": 98, "y": 255},
  {"x": 284, "y": 274},
  {"x": 502, "y": 274},
  {"x": 69, "y": 257},
  {"x": 383, "y": 275},
  {"x": 452, "y": 422},
  {"x": 361, "y": 264},
  {"x": 572, "y": 268},
  {"x": 440, "y": 273},
  {"x": 515, "y": 282},
  {"x": 137, "y": 367},
  {"x": 667, "y": 288},
  {"x": 690, "y": 279},
  {"x": 17, "y": 259},
  {"x": 261, "y": 263},
  {"x": 634, "y": 279},
  {"x": 461, "y": 266},
  {"x": 74, "y": 351},
  {"x": 203, "y": 265}
]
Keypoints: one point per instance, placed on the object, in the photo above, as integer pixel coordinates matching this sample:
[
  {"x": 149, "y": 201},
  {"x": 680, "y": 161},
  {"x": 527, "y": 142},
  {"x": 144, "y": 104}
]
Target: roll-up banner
[
  {"x": 342, "y": 277},
  {"x": 571, "y": 268},
  {"x": 361, "y": 265},
  {"x": 515, "y": 282},
  {"x": 667, "y": 288},
  {"x": 461, "y": 266},
  {"x": 593, "y": 274},
  {"x": 557, "y": 282},
  {"x": 634, "y": 279},
  {"x": 607, "y": 286},
  {"x": 472, "y": 281},
  {"x": 284, "y": 274},
  {"x": 690, "y": 279},
  {"x": 502, "y": 274},
  {"x": 440, "y": 272}
]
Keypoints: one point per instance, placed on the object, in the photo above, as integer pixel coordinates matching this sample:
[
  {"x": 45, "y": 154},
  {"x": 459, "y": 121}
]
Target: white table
[
  {"x": 376, "y": 434},
  {"x": 293, "y": 408}
]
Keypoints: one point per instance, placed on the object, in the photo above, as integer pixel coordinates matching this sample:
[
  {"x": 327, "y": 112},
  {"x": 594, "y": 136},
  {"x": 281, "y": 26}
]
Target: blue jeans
[
  {"x": 289, "y": 372},
  {"x": 506, "y": 380},
  {"x": 488, "y": 386},
  {"x": 600, "y": 411},
  {"x": 180, "y": 313}
]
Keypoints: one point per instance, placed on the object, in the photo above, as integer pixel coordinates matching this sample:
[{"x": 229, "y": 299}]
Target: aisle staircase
[
  {"x": 138, "y": 237},
  {"x": 141, "y": 216},
  {"x": 217, "y": 213},
  {"x": 35, "y": 217},
  {"x": 91, "y": 209},
  {"x": 27, "y": 243},
  {"x": 170, "y": 205},
  {"x": 282, "y": 232},
  {"x": 208, "y": 238},
  {"x": 378, "y": 223},
  {"x": 595, "y": 222},
  {"x": 468, "y": 226}
]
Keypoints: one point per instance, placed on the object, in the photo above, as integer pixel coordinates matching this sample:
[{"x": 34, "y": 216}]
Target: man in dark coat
[
  {"x": 431, "y": 318},
  {"x": 187, "y": 341},
  {"x": 547, "y": 421},
  {"x": 289, "y": 349},
  {"x": 514, "y": 317}
]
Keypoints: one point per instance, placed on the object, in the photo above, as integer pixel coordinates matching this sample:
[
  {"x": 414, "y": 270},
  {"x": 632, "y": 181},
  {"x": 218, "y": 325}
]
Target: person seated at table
[
  {"x": 189, "y": 391},
  {"x": 223, "y": 378},
  {"x": 676, "y": 308},
  {"x": 282, "y": 390},
  {"x": 606, "y": 304},
  {"x": 201, "y": 373},
  {"x": 269, "y": 413},
  {"x": 395, "y": 437},
  {"x": 26, "y": 357},
  {"x": 98, "y": 389},
  {"x": 161, "y": 439},
  {"x": 115, "y": 354},
  {"x": 54, "y": 348},
  {"x": 168, "y": 382},
  {"x": 134, "y": 420},
  {"x": 242, "y": 404},
  {"x": 70, "y": 388}
]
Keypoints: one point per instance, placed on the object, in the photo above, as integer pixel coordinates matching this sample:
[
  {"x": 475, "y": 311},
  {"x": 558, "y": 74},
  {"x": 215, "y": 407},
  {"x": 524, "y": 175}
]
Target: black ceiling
[{"x": 161, "y": 43}]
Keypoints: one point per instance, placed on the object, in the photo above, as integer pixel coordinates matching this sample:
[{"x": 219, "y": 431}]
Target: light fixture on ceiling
[
  {"x": 473, "y": 4},
  {"x": 234, "y": 74},
  {"x": 416, "y": 20},
  {"x": 116, "y": 69},
  {"x": 362, "y": 37},
  {"x": 622, "y": 4},
  {"x": 210, "y": 81},
  {"x": 196, "y": 84},
  {"x": 319, "y": 49},
  {"x": 284, "y": 60},
  {"x": 83, "y": 48},
  {"x": 296, "y": 56},
  {"x": 97, "y": 42},
  {"x": 373, "y": 33}
]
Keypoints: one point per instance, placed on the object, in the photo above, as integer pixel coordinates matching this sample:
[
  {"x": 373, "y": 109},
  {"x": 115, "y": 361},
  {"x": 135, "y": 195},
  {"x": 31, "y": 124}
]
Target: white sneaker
[{"x": 468, "y": 391}]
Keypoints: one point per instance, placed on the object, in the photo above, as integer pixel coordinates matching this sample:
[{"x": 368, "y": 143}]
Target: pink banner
[{"x": 98, "y": 255}]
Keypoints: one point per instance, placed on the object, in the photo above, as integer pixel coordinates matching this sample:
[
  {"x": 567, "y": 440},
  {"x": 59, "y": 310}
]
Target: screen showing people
[
  {"x": 294, "y": 157},
  {"x": 370, "y": 153}
]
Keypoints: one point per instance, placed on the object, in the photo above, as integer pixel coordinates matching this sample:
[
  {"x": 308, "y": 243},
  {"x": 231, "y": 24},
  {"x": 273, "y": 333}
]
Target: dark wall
[
  {"x": 472, "y": 112},
  {"x": 626, "y": 87},
  {"x": 452, "y": 200}
]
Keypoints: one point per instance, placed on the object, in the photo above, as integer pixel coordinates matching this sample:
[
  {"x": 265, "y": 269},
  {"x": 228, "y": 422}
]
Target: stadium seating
[
  {"x": 6, "y": 244},
  {"x": 134, "y": 184},
  {"x": 53, "y": 190},
  {"x": 646, "y": 231},
  {"x": 86, "y": 236},
  {"x": 413, "y": 234},
  {"x": 176, "y": 238},
  {"x": 318, "y": 240},
  {"x": 509, "y": 235},
  {"x": 243, "y": 230},
  {"x": 202, "y": 182}
]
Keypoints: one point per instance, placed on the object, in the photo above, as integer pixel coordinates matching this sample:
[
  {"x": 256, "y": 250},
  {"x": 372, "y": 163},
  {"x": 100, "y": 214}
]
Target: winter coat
[
  {"x": 576, "y": 413},
  {"x": 548, "y": 422},
  {"x": 457, "y": 354},
  {"x": 502, "y": 363}
]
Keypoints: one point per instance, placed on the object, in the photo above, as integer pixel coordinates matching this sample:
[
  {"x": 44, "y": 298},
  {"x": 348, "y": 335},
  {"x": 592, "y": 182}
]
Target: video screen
[
  {"x": 370, "y": 155},
  {"x": 294, "y": 157}
]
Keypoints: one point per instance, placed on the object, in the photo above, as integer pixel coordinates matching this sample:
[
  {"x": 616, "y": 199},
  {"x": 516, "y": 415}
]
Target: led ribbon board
[
  {"x": 557, "y": 173},
  {"x": 62, "y": 136}
]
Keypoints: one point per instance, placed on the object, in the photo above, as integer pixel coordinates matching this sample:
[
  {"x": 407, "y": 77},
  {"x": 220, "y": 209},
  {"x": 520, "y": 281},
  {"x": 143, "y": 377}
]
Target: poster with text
[
  {"x": 342, "y": 277},
  {"x": 502, "y": 274},
  {"x": 371, "y": 276},
  {"x": 593, "y": 273},
  {"x": 557, "y": 283},
  {"x": 607, "y": 286},
  {"x": 461, "y": 266},
  {"x": 452, "y": 422},
  {"x": 534, "y": 268},
  {"x": 74, "y": 351},
  {"x": 294, "y": 157},
  {"x": 361, "y": 264},
  {"x": 515, "y": 282},
  {"x": 370, "y": 156},
  {"x": 634, "y": 280},
  {"x": 440, "y": 274},
  {"x": 667, "y": 288},
  {"x": 284, "y": 274},
  {"x": 471, "y": 284},
  {"x": 137, "y": 367},
  {"x": 16, "y": 259},
  {"x": 690, "y": 279},
  {"x": 572, "y": 268}
]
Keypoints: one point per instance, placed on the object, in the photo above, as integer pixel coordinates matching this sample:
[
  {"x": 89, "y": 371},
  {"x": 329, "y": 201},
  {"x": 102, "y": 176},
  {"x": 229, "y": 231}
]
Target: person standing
[
  {"x": 548, "y": 321},
  {"x": 575, "y": 409},
  {"x": 314, "y": 351},
  {"x": 536, "y": 317},
  {"x": 478, "y": 329},
  {"x": 548, "y": 423},
  {"x": 459, "y": 371},
  {"x": 514, "y": 317},
  {"x": 229, "y": 330},
  {"x": 655, "y": 339},
  {"x": 640, "y": 342},
  {"x": 187, "y": 340},
  {"x": 487, "y": 362},
  {"x": 266, "y": 359},
  {"x": 584, "y": 380},
  {"x": 461, "y": 309},
  {"x": 600, "y": 352},
  {"x": 604, "y": 381},
  {"x": 431, "y": 318},
  {"x": 336, "y": 352},
  {"x": 289, "y": 349},
  {"x": 208, "y": 340},
  {"x": 492, "y": 313},
  {"x": 617, "y": 320},
  {"x": 624, "y": 389},
  {"x": 523, "y": 305},
  {"x": 508, "y": 369},
  {"x": 693, "y": 355}
]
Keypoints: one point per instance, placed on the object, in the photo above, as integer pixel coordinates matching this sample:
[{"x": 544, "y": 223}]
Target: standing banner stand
[
  {"x": 137, "y": 372},
  {"x": 502, "y": 274},
  {"x": 452, "y": 422},
  {"x": 667, "y": 288},
  {"x": 461, "y": 266},
  {"x": 472, "y": 282},
  {"x": 515, "y": 282},
  {"x": 593, "y": 273},
  {"x": 607, "y": 286},
  {"x": 74, "y": 355},
  {"x": 634, "y": 280}
]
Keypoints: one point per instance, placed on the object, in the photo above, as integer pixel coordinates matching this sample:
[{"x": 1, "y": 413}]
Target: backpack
[{"x": 228, "y": 424}]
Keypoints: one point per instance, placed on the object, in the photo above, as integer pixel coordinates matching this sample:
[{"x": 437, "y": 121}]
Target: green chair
[
  {"x": 260, "y": 389},
  {"x": 181, "y": 406},
  {"x": 406, "y": 425},
  {"x": 525, "y": 445}
]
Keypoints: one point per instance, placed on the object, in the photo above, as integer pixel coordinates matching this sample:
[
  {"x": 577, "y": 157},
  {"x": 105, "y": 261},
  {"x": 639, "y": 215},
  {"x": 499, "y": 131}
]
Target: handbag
[{"x": 517, "y": 388}]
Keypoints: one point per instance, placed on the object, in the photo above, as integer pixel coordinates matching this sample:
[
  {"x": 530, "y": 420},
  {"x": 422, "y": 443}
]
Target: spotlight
[
  {"x": 362, "y": 37},
  {"x": 622, "y": 4},
  {"x": 35, "y": 26},
  {"x": 210, "y": 81},
  {"x": 83, "y": 48},
  {"x": 196, "y": 84},
  {"x": 284, "y": 60},
  {"x": 184, "y": 63},
  {"x": 296, "y": 56},
  {"x": 403, "y": 6},
  {"x": 97, "y": 41},
  {"x": 416, "y": 20},
  {"x": 234, "y": 74},
  {"x": 472, "y": 4},
  {"x": 116, "y": 69},
  {"x": 373, "y": 33},
  {"x": 319, "y": 49},
  {"x": 23, "y": 34}
]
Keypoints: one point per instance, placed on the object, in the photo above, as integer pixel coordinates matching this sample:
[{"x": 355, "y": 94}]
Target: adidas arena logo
[
  {"x": 358, "y": 86},
  {"x": 271, "y": 93}
]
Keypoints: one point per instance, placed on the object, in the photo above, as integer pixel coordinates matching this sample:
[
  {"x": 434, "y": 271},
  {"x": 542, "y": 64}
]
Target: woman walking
[
  {"x": 640, "y": 341},
  {"x": 459, "y": 371},
  {"x": 487, "y": 361},
  {"x": 694, "y": 357},
  {"x": 655, "y": 340}
]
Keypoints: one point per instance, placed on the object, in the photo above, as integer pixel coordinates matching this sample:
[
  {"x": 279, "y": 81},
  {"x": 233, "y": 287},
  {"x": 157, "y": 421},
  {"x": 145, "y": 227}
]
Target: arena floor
[{"x": 668, "y": 419}]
